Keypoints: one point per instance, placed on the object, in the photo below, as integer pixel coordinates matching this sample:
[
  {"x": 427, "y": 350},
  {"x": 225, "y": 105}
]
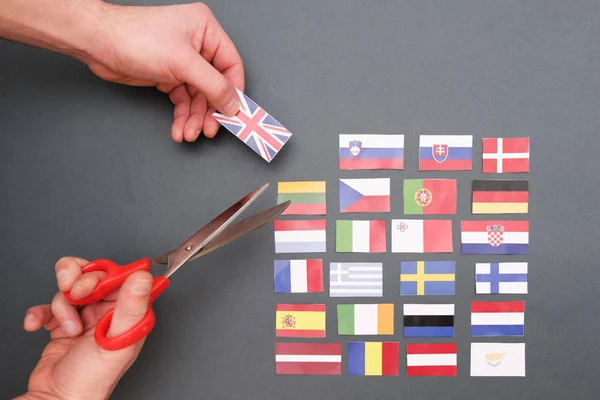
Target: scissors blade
[
  {"x": 241, "y": 228},
  {"x": 179, "y": 256},
  {"x": 235, "y": 231}
]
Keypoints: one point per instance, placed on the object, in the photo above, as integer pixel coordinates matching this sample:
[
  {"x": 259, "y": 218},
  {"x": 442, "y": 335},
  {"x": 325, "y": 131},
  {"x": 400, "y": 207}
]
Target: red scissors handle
[
  {"x": 139, "y": 331},
  {"x": 114, "y": 279}
]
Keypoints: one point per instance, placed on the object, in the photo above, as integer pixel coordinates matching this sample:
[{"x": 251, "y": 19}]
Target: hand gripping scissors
[{"x": 215, "y": 234}]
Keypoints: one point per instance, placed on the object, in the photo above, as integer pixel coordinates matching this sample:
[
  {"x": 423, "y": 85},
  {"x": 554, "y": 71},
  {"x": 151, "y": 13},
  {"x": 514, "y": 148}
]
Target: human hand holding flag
[{"x": 255, "y": 127}]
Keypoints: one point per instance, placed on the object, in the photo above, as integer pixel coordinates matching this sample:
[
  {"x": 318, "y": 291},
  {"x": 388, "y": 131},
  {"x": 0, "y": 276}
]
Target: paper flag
[
  {"x": 373, "y": 358},
  {"x": 429, "y": 196},
  {"x": 505, "y": 155},
  {"x": 371, "y": 152},
  {"x": 365, "y": 319},
  {"x": 427, "y": 278},
  {"x": 428, "y": 320},
  {"x": 300, "y": 236},
  {"x": 308, "y": 358},
  {"x": 497, "y": 359},
  {"x": 360, "y": 237},
  {"x": 355, "y": 279},
  {"x": 364, "y": 195},
  {"x": 253, "y": 126},
  {"x": 421, "y": 236},
  {"x": 308, "y": 198},
  {"x": 501, "y": 278},
  {"x": 300, "y": 320},
  {"x": 445, "y": 153},
  {"x": 500, "y": 197},
  {"x": 494, "y": 237},
  {"x": 498, "y": 318},
  {"x": 431, "y": 359},
  {"x": 298, "y": 276}
]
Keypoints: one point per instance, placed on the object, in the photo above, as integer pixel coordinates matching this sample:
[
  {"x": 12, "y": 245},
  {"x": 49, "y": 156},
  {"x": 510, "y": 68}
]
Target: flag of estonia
[{"x": 428, "y": 320}]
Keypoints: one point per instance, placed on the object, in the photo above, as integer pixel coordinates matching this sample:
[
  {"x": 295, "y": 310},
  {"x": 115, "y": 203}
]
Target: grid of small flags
[{"x": 303, "y": 346}]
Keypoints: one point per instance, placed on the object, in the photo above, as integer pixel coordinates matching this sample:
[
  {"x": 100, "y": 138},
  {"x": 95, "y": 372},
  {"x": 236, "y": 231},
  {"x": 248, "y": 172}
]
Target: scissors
[{"x": 215, "y": 234}]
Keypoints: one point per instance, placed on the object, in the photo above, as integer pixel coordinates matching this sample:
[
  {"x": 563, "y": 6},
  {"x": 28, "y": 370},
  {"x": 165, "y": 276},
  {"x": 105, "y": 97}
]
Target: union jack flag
[{"x": 255, "y": 127}]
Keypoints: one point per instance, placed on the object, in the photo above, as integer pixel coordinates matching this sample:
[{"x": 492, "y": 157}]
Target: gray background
[{"x": 88, "y": 168}]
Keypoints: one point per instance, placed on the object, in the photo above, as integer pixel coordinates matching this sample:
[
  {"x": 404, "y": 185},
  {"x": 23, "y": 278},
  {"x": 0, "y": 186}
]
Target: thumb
[
  {"x": 219, "y": 92},
  {"x": 132, "y": 303}
]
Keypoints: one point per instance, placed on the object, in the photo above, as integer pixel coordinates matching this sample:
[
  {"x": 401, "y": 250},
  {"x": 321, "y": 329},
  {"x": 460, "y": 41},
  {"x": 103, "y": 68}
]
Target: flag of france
[{"x": 298, "y": 276}]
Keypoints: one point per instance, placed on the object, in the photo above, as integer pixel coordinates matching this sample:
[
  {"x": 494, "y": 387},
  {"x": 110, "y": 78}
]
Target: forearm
[{"x": 70, "y": 27}]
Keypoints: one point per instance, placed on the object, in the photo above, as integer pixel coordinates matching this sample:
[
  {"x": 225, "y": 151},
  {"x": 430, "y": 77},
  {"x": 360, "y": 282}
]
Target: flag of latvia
[{"x": 308, "y": 358}]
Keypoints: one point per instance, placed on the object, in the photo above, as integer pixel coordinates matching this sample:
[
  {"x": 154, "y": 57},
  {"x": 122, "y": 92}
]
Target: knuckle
[{"x": 202, "y": 8}]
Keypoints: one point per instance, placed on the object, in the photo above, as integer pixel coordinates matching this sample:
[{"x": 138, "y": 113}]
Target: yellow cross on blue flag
[{"x": 427, "y": 278}]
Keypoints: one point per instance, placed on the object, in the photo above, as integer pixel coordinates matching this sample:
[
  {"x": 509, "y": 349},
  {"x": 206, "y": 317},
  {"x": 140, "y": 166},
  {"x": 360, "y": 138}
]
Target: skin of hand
[
  {"x": 72, "y": 365},
  {"x": 182, "y": 50}
]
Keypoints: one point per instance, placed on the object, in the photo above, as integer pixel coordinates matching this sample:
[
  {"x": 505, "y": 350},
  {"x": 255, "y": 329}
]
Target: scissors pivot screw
[{"x": 188, "y": 247}]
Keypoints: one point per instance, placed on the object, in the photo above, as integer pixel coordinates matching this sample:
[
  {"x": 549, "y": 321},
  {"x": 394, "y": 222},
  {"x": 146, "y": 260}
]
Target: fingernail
[
  {"x": 232, "y": 107},
  {"x": 29, "y": 319},
  {"x": 141, "y": 287},
  {"x": 69, "y": 327},
  {"x": 62, "y": 277}
]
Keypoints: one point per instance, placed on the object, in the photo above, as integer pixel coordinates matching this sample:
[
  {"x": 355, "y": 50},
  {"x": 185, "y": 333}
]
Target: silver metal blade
[
  {"x": 179, "y": 256},
  {"x": 241, "y": 228}
]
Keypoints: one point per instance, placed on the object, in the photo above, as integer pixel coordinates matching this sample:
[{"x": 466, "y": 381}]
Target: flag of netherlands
[
  {"x": 360, "y": 236},
  {"x": 308, "y": 358},
  {"x": 501, "y": 278},
  {"x": 428, "y": 320},
  {"x": 364, "y": 195},
  {"x": 431, "y": 359},
  {"x": 371, "y": 152},
  {"x": 373, "y": 358},
  {"x": 300, "y": 236},
  {"x": 255, "y": 127},
  {"x": 495, "y": 237},
  {"x": 445, "y": 152},
  {"x": 427, "y": 278},
  {"x": 298, "y": 276},
  {"x": 505, "y": 155},
  {"x": 356, "y": 279},
  {"x": 498, "y": 318}
]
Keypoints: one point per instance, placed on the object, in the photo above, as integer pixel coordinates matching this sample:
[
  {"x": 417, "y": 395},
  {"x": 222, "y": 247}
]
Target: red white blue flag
[
  {"x": 371, "y": 152},
  {"x": 445, "y": 152},
  {"x": 255, "y": 127}
]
